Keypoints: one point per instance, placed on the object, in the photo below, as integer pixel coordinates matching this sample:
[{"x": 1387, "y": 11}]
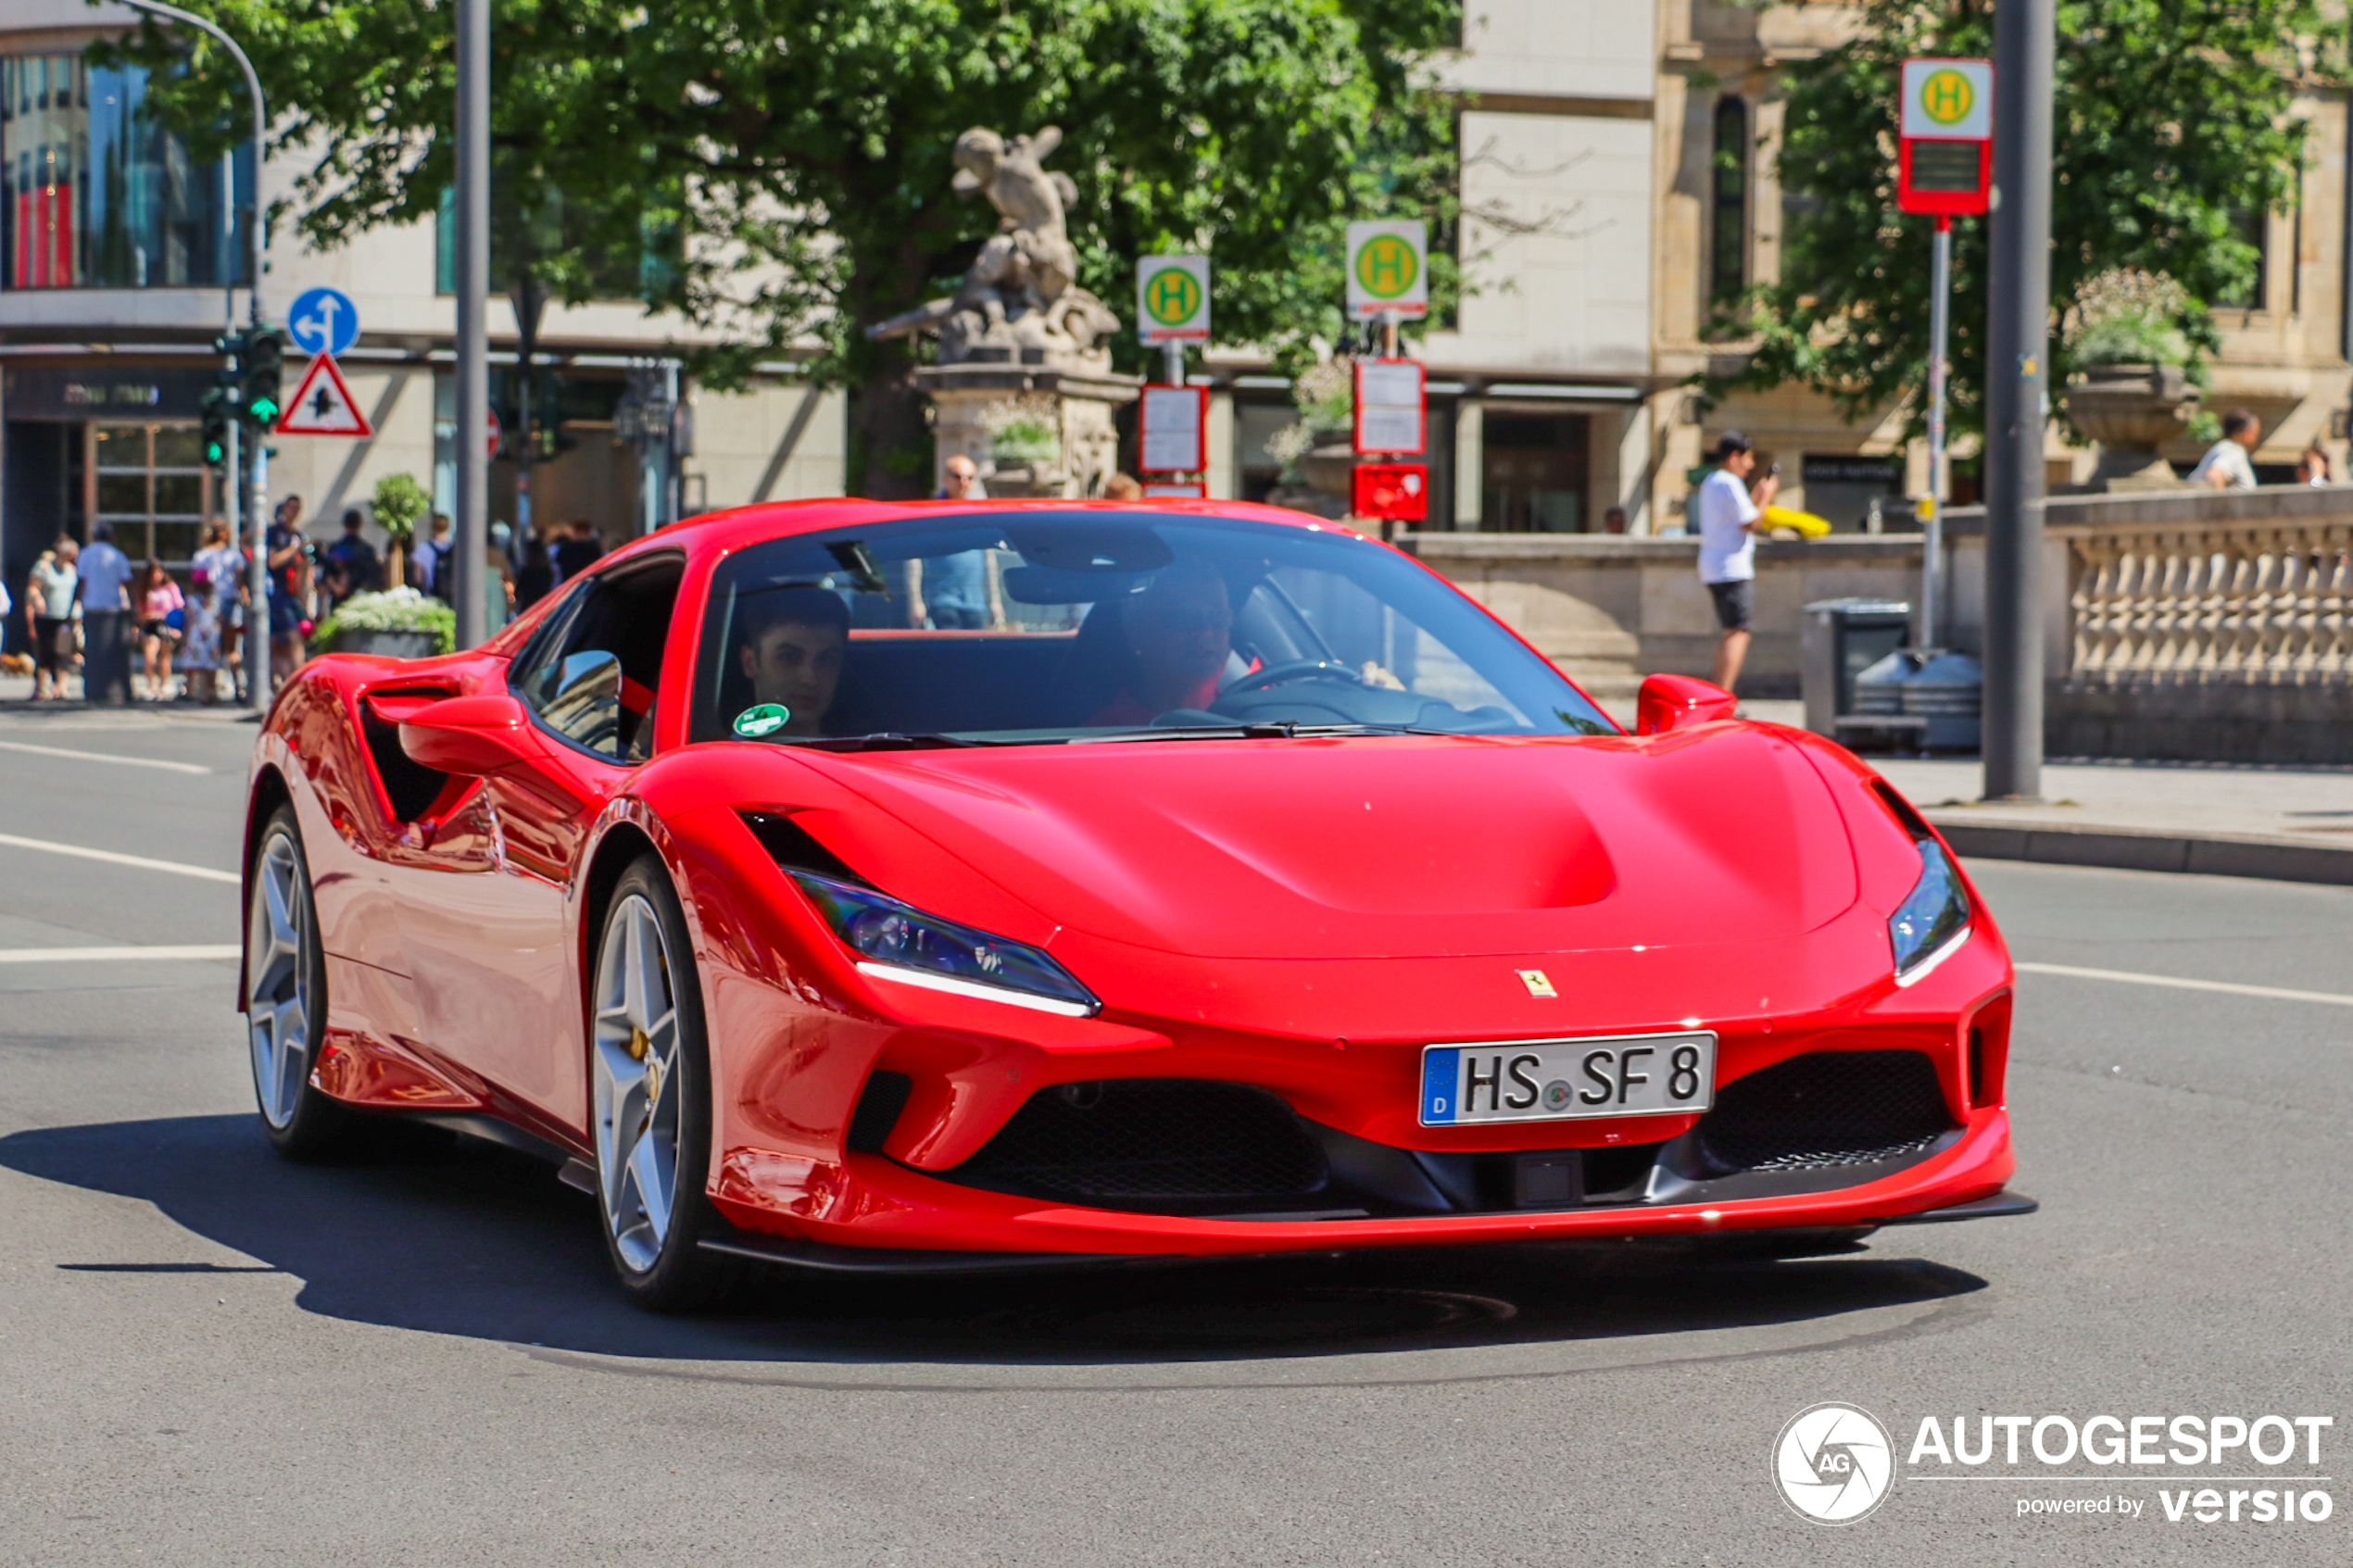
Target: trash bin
[
  {"x": 1949, "y": 692},
  {"x": 1839, "y": 639}
]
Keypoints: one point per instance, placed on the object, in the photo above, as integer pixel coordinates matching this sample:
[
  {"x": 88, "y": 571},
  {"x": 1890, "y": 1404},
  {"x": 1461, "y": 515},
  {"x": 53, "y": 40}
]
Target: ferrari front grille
[
  {"x": 1149, "y": 1142},
  {"x": 1826, "y": 1108}
]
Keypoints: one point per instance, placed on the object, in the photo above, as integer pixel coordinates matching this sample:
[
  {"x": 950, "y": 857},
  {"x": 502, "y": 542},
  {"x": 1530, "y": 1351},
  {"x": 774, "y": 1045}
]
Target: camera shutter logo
[{"x": 1833, "y": 1463}]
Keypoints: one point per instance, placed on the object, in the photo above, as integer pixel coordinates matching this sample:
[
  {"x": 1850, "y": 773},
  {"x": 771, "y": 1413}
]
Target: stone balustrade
[
  {"x": 2206, "y": 625},
  {"x": 2256, "y": 602}
]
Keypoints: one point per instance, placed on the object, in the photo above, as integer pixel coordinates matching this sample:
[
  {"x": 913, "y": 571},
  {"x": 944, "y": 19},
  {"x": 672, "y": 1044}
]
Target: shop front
[{"x": 91, "y": 444}]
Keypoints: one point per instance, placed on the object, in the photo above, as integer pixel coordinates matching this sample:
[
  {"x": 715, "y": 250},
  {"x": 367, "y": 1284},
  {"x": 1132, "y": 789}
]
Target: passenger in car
[
  {"x": 1178, "y": 634},
  {"x": 792, "y": 643}
]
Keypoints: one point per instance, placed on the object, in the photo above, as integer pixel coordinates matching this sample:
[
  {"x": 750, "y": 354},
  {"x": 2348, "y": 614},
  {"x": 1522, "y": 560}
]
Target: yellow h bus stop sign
[{"x": 1388, "y": 268}]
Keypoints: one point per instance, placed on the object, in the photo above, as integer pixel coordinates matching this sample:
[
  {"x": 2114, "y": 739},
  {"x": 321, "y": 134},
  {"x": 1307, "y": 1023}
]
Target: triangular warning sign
[{"x": 322, "y": 404}]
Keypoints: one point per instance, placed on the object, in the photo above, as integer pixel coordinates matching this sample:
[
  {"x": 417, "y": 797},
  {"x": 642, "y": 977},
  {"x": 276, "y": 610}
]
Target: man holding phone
[{"x": 1729, "y": 507}]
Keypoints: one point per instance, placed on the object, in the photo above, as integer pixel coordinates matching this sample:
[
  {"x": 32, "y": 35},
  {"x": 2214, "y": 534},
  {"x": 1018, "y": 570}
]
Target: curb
[{"x": 2135, "y": 850}]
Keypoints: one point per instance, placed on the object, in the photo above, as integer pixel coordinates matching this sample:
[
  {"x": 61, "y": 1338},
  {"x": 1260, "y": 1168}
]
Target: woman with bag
[
  {"x": 212, "y": 587},
  {"x": 163, "y": 612}
]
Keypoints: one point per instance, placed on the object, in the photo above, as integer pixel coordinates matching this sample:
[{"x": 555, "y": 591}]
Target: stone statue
[{"x": 1020, "y": 302}]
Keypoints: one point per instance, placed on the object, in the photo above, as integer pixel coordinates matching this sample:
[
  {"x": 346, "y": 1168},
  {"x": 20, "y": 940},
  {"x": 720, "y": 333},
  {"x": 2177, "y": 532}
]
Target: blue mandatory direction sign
[{"x": 323, "y": 322}]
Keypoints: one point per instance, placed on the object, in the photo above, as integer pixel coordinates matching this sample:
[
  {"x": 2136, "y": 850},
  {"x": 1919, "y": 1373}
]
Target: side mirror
[
  {"x": 1677, "y": 702},
  {"x": 471, "y": 736}
]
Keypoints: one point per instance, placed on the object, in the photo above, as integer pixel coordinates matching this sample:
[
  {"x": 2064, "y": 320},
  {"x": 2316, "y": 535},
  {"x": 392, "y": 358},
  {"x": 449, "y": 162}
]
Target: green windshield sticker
[{"x": 766, "y": 719}]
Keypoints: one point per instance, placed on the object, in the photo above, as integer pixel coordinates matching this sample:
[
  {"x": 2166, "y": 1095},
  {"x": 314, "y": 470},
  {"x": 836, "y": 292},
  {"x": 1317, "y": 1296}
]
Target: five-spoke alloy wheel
[
  {"x": 650, "y": 1083},
  {"x": 286, "y": 996}
]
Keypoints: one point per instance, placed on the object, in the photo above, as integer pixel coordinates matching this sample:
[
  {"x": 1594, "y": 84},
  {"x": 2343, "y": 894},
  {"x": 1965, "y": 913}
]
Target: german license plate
[{"x": 1567, "y": 1080}]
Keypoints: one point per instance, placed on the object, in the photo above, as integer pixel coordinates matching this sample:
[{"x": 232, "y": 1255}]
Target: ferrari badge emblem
[
  {"x": 1539, "y": 983},
  {"x": 766, "y": 719}
]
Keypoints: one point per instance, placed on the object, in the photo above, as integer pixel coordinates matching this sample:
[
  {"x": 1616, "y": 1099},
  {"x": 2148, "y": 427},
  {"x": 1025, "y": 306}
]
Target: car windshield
[{"x": 1040, "y": 627}]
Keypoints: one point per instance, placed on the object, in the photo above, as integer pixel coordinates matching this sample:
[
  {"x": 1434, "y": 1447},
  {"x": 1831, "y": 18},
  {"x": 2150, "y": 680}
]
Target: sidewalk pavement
[{"x": 2288, "y": 824}]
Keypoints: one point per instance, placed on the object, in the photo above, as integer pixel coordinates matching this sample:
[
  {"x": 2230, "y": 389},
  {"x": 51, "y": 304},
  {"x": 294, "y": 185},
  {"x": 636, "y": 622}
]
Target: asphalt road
[{"x": 210, "y": 1356}]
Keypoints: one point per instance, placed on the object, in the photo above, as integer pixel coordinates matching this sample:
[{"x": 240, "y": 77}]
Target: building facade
[
  {"x": 1617, "y": 181},
  {"x": 120, "y": 261}
]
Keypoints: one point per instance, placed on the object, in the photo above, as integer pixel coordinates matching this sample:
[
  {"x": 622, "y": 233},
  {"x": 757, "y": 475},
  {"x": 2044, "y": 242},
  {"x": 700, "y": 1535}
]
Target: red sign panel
[
  {"x": 1949, "y": 178},
  {"x": 1395, "y": 492}
]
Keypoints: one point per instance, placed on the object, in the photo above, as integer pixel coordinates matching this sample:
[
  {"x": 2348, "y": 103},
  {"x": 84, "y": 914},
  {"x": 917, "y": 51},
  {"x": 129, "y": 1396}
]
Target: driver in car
[
  {"x": 1179, "y": 634},
  {"x": 791, "y": 651}
]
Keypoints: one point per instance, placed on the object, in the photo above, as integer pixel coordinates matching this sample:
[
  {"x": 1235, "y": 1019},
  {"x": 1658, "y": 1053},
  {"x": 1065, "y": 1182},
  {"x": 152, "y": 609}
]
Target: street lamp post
[
  {"x": 251, "y": 505},
  {"x": 2017, "y": 357},
  {"x": 470, "y": 583}
]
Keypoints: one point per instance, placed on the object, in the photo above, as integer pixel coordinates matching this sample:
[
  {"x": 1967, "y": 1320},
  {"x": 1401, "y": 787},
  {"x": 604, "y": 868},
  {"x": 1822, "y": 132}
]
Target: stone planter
[
  {"x": 1016, "y": 478},
  {"x": 2131, "y": 410},
  {"x": 388, "y": 645},
  {"x": 1330, "y": 463}
]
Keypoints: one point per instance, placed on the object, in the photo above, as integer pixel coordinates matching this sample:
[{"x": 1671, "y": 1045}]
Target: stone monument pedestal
[{"x": 1082, "y": 398}]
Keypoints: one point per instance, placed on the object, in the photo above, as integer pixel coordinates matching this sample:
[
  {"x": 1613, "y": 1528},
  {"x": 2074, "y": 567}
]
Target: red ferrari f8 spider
[{"x": 944, "y": 885}]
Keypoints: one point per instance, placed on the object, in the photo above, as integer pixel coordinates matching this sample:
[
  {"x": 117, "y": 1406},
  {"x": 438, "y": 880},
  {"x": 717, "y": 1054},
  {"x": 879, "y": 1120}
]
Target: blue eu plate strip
[{"x": 1441, "y": 1073}]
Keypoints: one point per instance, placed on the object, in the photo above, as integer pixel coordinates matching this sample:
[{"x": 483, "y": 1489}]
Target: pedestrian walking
[
  {"x": 106, "y": 618},
  {"x": 2226, "y": 465},
  {"x": 1728, "y": 505},
  {"x": 953, "y": 590},
  {"x": 289, "y": 565},
  {"x": 578, "y": 550},
  {"x": 53, "y": 603},
  {"x": 162, "y": 622},
  {"x": 429, "y": 572},
  {"x": 213, "y": 585},
  {"x": 353, "y": 565},
  {"x": 536, "y": 578},
  {"x": 498, "y": 581}
]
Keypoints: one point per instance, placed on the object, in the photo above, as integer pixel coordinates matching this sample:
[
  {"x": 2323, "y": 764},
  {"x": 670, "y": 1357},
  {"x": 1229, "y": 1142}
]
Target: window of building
[
  {"x": 1728, "y": 187},
  {"x": 149, "y": 485},
  {"x": 642, "y": 271},
  {"x": 95, "y": 194},
  {"x": 1534, "y": 474},
  {"x": 2254, "y": 227}
]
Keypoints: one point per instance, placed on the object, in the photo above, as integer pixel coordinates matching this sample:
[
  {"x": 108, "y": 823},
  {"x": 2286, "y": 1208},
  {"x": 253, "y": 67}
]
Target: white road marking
[
  {"x": 101, "y": 757},
  {"x": 2226, "y": 986},
  {"x": 176, "y": 867},
  {"x": 86, "y": 955}
]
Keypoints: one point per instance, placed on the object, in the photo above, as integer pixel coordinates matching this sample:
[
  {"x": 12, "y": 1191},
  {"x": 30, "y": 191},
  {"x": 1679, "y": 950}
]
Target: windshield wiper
[
  {"x": 1286, "y": 730},
  {"x": 881, "y": 740},
  {"x": 1194, "y": 732}
]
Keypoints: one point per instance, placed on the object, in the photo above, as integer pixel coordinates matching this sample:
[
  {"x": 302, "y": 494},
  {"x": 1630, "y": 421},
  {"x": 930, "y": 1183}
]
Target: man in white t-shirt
[
  {"x": 2226, "y": 465},
  {"x": 1727, "y": 510}
]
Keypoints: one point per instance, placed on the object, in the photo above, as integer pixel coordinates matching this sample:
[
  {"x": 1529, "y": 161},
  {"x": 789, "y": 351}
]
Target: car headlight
[
  {"x": 1933, "y": 920},
  {"x": 896, "y": 941}
]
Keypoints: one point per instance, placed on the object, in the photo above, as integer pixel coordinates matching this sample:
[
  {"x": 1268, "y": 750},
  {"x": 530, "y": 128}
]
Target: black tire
[
  {"x": 660, "y": 1266},
  {"x": 286, "y": 999}
]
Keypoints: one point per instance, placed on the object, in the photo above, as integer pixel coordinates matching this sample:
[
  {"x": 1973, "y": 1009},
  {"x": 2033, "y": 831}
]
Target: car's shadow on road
[{"x": 458, "y": 1238}]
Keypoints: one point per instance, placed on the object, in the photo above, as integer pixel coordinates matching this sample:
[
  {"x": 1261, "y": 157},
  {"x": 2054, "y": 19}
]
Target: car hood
[{"x": 1390, "y": 847}]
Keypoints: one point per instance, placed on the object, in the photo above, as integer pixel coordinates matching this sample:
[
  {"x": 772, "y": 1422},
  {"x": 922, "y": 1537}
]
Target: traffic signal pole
[{"x": 2017, "y": 356}]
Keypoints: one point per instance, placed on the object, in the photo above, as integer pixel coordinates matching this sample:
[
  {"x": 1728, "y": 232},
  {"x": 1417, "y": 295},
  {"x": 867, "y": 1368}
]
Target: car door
[{"x": 494, "y": 968}]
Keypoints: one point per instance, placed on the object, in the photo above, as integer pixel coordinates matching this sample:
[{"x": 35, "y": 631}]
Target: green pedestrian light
[{"x": 265, "y": 357}]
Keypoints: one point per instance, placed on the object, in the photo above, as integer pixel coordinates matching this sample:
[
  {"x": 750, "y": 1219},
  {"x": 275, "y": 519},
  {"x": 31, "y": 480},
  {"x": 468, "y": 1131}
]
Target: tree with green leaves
[
  {"x": 796, "y": 154},
  {"x": 2174, "y": 128}
]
